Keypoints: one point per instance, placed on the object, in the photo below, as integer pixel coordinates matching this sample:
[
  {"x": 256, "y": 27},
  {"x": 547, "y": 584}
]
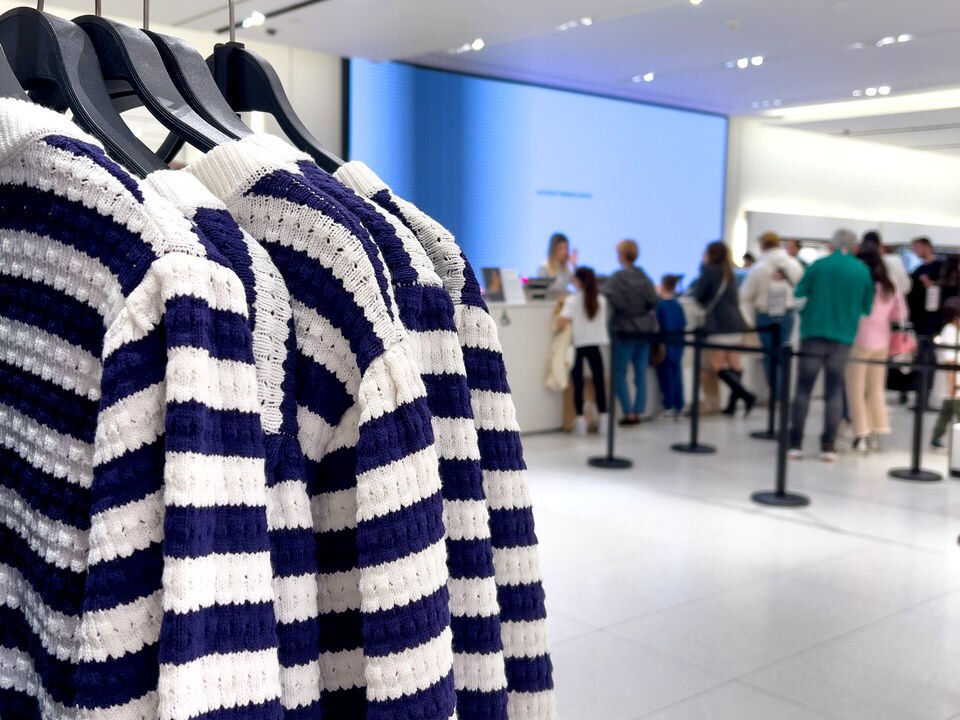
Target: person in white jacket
[{"x": 767, "y": 294}]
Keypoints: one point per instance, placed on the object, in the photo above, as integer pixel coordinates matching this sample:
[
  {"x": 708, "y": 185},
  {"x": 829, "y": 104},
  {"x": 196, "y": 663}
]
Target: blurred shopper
[
  {"x": 838, "y": 291},
  {"x": 896, "y": 270},
  {"x": 586, "y": 311},
  {"x": 716, "y": 291},
  {"x": 949, "y": 337},
  {"x": 633, "y": 302},
  {"x": 746, "y": 262},
  {"x": 866, "y": 384},
  {"x": 793, "y": 248},
  {"x": 560, "y": 263},
  {"x": 924, "y": 298},
  {"x": 949, "y": 279},
  {"x": 768, "y": 294},
  {"x": 672, "y": 321}
]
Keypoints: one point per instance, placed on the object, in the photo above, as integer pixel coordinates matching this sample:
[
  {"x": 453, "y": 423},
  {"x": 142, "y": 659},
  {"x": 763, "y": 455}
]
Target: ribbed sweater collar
[{"x": 22, "y": 121}]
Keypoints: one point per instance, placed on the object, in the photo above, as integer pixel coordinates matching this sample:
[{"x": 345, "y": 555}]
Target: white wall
[
  {"x": 796, "y": 172},
  {"x": 312, "y": 80}
]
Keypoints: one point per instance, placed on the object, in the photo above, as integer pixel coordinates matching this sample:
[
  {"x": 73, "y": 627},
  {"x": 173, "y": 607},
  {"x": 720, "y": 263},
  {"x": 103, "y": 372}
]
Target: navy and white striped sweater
[
  {"x": 289, "y": 521},
  {"x": 520, "y": 589},
  {"x": 135, "y": 576},
  {"x": 365, "y": 429}
]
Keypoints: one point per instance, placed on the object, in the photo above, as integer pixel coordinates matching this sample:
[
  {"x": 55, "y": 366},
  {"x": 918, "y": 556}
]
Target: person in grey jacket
[
  {"x": 716, "y": 291},
  {"x": 633, "y": 301}
]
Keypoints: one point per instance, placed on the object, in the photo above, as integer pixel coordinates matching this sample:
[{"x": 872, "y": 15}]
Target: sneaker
[
  {"x": 602, "y": 422},
  {"x": 860, "y": 444},
  {"x": 795, "y": 454},
  {"x": 828, "y": 454},
  {"x": 580, "y": 426},
  {"x": 873, "y": 442}
]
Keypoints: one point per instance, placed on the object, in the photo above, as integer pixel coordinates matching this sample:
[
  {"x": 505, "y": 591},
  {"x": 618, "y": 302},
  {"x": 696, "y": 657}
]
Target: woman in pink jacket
[{"x": 866, "y": 384}]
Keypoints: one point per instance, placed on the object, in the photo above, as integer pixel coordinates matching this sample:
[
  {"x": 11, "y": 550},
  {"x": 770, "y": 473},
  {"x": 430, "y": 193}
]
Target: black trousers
[{"x": 591, "y": 355}]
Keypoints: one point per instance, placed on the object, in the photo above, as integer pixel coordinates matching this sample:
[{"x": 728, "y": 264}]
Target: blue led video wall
[{"x": 504, "y": 165}]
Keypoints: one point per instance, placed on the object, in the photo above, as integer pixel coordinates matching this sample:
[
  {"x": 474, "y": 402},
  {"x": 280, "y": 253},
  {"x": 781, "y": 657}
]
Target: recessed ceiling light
[
  {"x": 889, "y": 40},
  {"x": 695, "y": 2},
  {"x": 906, "y": 37},
  {"x": 743, "y": 63},
  {"x": 730, "y": 64},
  {"x": 884, "y": 90},
  {"x": 756, "y": 60},
  {"x": 254, "y": 19},
  {"x": 857, "y": 93},
  {"x": 567, "y": 25},
  {"x": 478, "y": 45},
  {"x": 586, "y": 22},
  {"x": 870, "y": 91},
  {"x": 648, "y": 77},
  {"x": 857, "y": 46}
]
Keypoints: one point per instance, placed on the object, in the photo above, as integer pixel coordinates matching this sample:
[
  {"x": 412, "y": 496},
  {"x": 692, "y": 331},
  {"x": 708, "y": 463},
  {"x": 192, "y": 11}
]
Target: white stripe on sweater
[
  {"x": 121, "y": 531},
  {"x": 218, "y": 682},
  {"x": 57, "y": 631},
  {"x": 526, "y": 638},
  {"x": 325, "y": 344},
  {"x": 397, "y": 485},
  {"x": 494, "y": 411},
  {"x": 193, "y": 375},
  {"x": 50, "y": 357},
  {"x": 473, "y": 597},
  {"x": 316, "y": 434},
  {"x": 288, "y": 507},
  {"x": 532, "y": 705},
  {"x": 405, "y": 580},
  {"x": 339, "y": 592},
  {"x": 334, "y": 511},
  {"x": 62, "y": 267},
  {"x": 169, "y": 277},
  {"x": 410, "y": 671},
  {"x": 297, "y": 598},
  {"x": 301, "y": 684},
  {"x": 479, "y": 673},
  {"x": 437, "y": 352},
  {"x": 130, "y": 423},
  {"x": 466, "y": 519},
  {"x": 217, "y": 579},
  {"x": 58, "y": 543},
  {"x": 506, "y": 489},
  {"x": 476, "y": 329},
  {"x": 391, "y": 381},
  {"x": 17, "y": 672},
  {"x": 516, "y": 565},
  {"x": 456, "y": 438},
  {"x": 239, "y": 480},
  {"x": 342, "y": 670},
  {"x": 120, "y": 630},
  {"x": 54, "y": 453}
]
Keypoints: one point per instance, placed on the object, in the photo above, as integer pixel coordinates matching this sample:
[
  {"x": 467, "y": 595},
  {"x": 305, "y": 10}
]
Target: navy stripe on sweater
[
  {"x": 198, "y": 531},
  {"x": 219, "y": 629},
  {"x": 130, "y": 477},
  {"x": 292, "y": 551},
  {"x": 341, "y": 631},
  {"x": 261, "y": 711},
  {"x": 41, "y": 491},
  {"x": 501, "y": 450},
  {"x": 60, "y": 589},
  {"x": 448, "y": 395},
  {"x": 395, "y": 435},
  {"x": 469, "y": 558},
  {"x": 214, "y": 432},
  {"x": 424, "y": 308},
  {"x": 299, "y": 642},
  {"x": 406, "y": 626},
  {"x": 117, "y": 681},
  {"x": 337, "y": 550},
  {"x": 221, "y": 334},
  {"x": 410, "y": 530},
  {"x": 87, "y": 151},
  {"x": 485, "y": 370},
  {"x": 530, "y": 674},
  {"x": 124, "y": 579},
  {"x": 521, "y": 602},
  {"x": 47, "y": 403},
  {"x": 437, "y": 701},
  {"x": 479, "y": 634},
  {"x": 462, "y": 479},
  {"x": 56, "y": 675},
  {"x": 334, "y": 473},
  {"x": 19, "y": 705},
  {"x": 330, "y": 398}
]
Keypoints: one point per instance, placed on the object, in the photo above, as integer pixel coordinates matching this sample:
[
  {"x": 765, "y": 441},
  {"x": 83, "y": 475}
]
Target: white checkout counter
[{"x": 526, "y": 331}]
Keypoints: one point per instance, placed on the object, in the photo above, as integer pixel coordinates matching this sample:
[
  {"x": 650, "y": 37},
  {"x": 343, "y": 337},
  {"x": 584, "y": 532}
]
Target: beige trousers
[{"x": 867, "y": 392}]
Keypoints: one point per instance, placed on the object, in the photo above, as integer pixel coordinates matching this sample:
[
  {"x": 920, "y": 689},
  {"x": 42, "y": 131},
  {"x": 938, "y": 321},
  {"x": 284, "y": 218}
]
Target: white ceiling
[{"x": 807, "y": 46}]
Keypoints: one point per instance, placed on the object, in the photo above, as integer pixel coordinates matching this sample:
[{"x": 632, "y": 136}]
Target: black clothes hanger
[
  {"x": 56, "y": 64},
  {"x": 10, "y": 87},
  {"x": 249, "y": 83},
  {"x": 136, "y": 75}
]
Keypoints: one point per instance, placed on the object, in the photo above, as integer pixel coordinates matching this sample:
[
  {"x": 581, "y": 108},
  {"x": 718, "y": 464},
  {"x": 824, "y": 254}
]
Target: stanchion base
[
  {"x": 918, "y": 476},
  {"x": 780, "y": 500},
  {"x": 764, "y": 435},
  {"x": 693, "y": 449},
  {"x": 610, "y": 463}
]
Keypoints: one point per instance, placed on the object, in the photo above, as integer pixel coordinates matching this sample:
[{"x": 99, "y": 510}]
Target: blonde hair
[
  {"x": 553, "y": 265},
  {"x": 629, "y": 250},
  {"x": 769, "y": 240}
]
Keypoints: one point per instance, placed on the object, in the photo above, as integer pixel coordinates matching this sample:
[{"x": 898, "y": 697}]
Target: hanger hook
[
  {"x": 39, "y": 5},
  {"x": 233, "y": 20},
  {"x": 97, "y": 9},
  {"x": 146, "y": 14}
]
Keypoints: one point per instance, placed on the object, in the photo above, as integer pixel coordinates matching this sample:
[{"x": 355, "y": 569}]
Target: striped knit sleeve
[
  {"x": 178, "y": 619},
  {"x": 520, "y": 587},
  {"x": 386, "y": 648}
]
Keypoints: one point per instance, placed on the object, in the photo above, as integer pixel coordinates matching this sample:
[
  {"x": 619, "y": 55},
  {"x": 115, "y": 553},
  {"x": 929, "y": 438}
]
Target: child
[
  {"x": 950, "y": 338},
  {"x": 671, "y": 319},
  {"x": 586, "y": 311}
]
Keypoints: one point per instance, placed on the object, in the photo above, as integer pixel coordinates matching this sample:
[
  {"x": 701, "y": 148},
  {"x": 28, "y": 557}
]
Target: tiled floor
[{"x": 673, "y": 597}]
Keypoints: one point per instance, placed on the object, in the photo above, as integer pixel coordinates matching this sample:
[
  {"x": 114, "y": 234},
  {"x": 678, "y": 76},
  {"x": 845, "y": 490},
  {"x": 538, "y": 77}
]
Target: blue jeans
[
  {"x": 832, "y": 357},
  {"x": 766, "y": 341},
  {"x": 634, "y": 353},
  {"x": 670, "y": 375}
]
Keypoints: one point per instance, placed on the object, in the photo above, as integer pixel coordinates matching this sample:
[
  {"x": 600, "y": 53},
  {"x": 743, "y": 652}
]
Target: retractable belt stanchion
[
  {"x": 780, "y": 497},
  {"x": 694, "y": 447},
  {"x": 915, "y": 473},
  {"x": 610, "y": 461},
  {"x": 775, "y": 341}
]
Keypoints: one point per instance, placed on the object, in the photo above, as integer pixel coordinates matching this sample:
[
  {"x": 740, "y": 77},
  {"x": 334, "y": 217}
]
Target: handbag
[{"x": 902, "y": 342}]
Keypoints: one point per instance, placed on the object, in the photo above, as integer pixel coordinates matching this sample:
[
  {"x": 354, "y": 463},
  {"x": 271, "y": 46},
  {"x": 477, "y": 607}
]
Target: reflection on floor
[{"x": 673, "y": 597}]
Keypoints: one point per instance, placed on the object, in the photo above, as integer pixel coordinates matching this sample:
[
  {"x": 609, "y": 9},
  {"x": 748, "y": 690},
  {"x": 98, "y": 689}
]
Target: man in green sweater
[{"x": 838, "y": 291}]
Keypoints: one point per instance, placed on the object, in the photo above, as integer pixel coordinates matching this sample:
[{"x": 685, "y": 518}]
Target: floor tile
[{"x": 735, "y": 701}]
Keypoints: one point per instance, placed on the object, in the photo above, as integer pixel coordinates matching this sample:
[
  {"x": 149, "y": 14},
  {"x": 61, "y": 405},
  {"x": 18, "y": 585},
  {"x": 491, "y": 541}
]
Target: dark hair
[
  {"x": 950, "y": 275},
  {"x": 670, "y": 282},
  {"x": 718, "y": 255},
  {"x": 951, "y": 309},
  {"x": 749, "y": 256},
  {"x": 922, "y": 240},
  {"x": 878, "y": 269},
  {"x": 591, "y": 296},
  {"x": 871, "y": 239}
]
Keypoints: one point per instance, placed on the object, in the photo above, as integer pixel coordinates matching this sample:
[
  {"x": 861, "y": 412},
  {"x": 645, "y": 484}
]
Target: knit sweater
[
  {"x": 135, "y": 574},
  {"x": 371, "y": 466},
  {"x": 290, "y": 525},
  {"x": 519, "y": 586}
]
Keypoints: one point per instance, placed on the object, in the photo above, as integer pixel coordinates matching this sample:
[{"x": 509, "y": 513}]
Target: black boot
[{"x": 731, "y": 379}]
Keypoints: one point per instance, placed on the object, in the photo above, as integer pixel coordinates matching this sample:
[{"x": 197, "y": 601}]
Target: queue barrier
[{"x": 780, "y": 376}]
